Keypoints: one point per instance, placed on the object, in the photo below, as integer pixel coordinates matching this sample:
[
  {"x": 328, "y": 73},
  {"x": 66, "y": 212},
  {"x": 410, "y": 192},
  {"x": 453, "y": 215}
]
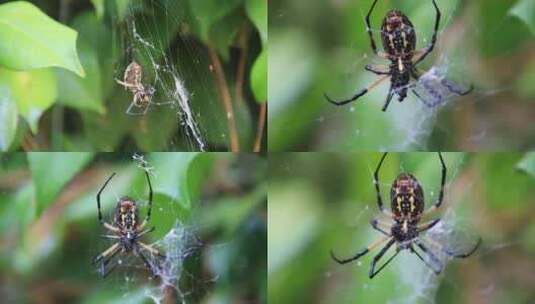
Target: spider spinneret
[
  {"x": 407, "y": 210},
  {"x": 127, "y": 230},
  {"x": 399, "y": 42}
]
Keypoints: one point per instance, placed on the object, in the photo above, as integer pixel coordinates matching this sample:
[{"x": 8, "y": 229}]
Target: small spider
[
  {"x": 399, "y": 42},
  {"x": 127, "y": 230},
  {"x": 133, "y": 76},
  {"x": 407, "y": 204}
]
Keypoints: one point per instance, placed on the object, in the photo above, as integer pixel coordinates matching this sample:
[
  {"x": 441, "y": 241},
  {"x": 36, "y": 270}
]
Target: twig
[
  {"x": 224, "y": 93},
  {"x": 260, "y": 128},
  {"x": 240, "y": 73}
]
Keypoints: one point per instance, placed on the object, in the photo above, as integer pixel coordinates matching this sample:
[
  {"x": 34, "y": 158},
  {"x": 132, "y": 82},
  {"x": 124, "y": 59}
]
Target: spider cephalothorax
[
  {"x": 127, "y": 230},
  {"x": 405, "y": 231},
  {"x": 399, "y": 43}
]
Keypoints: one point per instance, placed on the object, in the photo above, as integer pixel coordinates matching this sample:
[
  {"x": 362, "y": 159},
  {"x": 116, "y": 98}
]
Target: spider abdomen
[
  {"x": 407, "y": 197},
  {"x": 398, "y": 37},
  {"x": 126, "y": 214}
]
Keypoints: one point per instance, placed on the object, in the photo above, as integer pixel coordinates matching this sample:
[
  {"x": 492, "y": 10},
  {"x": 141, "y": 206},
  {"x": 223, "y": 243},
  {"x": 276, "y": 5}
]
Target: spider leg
[
  {"x": 451, "y": 253},
  {"x": 376, "y": 259},
  {"x": 151, "y": 249},
  {"x": 147, "y": 219},
  {"x": 388, "y": 99},
  {"x": 105, "y": 257},
  {"x": 124, "y": 84},
  {"x": 358, "y": 94},
  {"x": 427, "y": 226},
  {"x": 431, "y": 46},
  {"x": 370, "y": 34},
  {"x": 145, "y": 232},
  {"x": 107, "y": 236},
  {"x": 102, "y": 270},
  {"x": 426, "y": 102},
  {"x": 100, "y": 218},
  {"x": 431, "y": 255},
  {"x": 456, "y": 90},
  {"x": 154, "y": 269},
  {"x": 377, "y": 189},
  {"x": 376, "y": 69},
  {"x": 442, "y": 185},
  {"x": 133, "y": 105},
  {"x": 361, "y": 252},
  {"x": 375, "y": 224}
]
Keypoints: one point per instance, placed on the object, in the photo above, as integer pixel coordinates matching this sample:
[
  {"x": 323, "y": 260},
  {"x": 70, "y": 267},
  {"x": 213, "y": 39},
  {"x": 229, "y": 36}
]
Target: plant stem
[
  {"x": 260, "y": 127},
  {"x": 240, "y": 74},
  {"x": 224, "y": 93}
]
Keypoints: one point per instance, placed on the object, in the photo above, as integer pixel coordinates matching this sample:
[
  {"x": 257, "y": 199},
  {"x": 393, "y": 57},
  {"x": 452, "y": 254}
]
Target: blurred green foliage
[
  {"x": 60, "y": 59},
  {"x": 322, "y": 47},
  {"x": 50, "y": 230},
  {"x": 324, "y": 201}
]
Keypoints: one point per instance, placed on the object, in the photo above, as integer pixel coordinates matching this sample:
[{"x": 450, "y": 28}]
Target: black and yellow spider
[
  {"x": 399, "y": 42},
  {"x": 127, "y": 231},
  {"x": 407, "y": 204}
]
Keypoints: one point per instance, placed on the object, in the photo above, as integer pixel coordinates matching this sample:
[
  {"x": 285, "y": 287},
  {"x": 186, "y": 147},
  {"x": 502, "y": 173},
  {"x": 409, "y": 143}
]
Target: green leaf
[
  {"x": 527, "y": 164},
  {"x": 155, "y": 129},
  {"x": 78, "y": 92},
  {"x": 32, "y": 40},
  {"x": 177, "y": 177},
  {"x": 259, "y": 77},
  {"x": 525, "y": 11},
  {"x": 223, "y": 33},
  {"x": 33, "y": 92},
  {"x": 208, "y": 12},
  {"x": 257, "y": 10},
  {"x": 8, "y": 117},
  {"x": 59, "y": 165},
  {"x": 99, "y": 7},
  {"x": 122, "y": 8},
  {"x": 87, "y": 93}
]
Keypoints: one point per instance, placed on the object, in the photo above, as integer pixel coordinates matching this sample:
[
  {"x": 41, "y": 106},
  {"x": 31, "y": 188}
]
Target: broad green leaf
[
  {"x": 527, "y": 164},
  {"x": 525, "y": 11},
  {"x": 8, "y": 118},
  {"x": 51, "y": 171},
  {"x": 172, "y": 176},
  {"x": 259, "y": 76},
  {"x": 257, "y": 10},
  {"x": 32, "y": 40},
  {"x": 86, "y": 93},
  {"x": 208, "y": 12},
  {"x": 78, "y": 92},
  {"x": 33, "y": 91},
  {"x": 230, "y": 212}
]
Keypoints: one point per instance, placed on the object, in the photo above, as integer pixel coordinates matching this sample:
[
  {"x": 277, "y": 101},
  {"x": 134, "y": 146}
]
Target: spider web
[
  {"x": 173, "y": 281},
  {"x": 415, "y": 282},
  {"x": 405, "y": 126},
  {"x": 149, "y": 34}
]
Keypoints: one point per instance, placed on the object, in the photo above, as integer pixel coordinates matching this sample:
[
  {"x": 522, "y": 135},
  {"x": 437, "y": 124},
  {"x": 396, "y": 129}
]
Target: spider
[
  {"x": 127, "y": 231},
  {"x": 132, "y": 82},
  {"x": 407, "y": 204},
  {"x": 399, "y": 42}
]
